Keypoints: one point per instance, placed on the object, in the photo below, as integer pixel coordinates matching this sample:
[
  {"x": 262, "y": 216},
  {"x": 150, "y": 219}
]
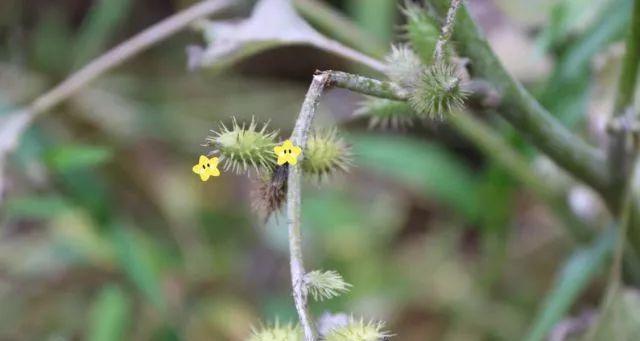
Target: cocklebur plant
[
  {"x": 606, "y": 174},
  {"x": 403, "y": 66},
  {"x": 430, "y": 88},
  {"x": 342, "y": 329},
  {"x": 439, "y": 91},
  {"x": 386, "y": 114},
  {"x": 359, "y": 330},
  {"x": 434, "y": 83},
  {"x": 325, "y": 154},
  {"x": 244, "y": 147},
  {"x": 324, "y": 284}
]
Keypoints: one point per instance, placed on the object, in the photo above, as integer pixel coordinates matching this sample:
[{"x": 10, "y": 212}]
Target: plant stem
[
  {"x": 299, "y": 138},
  {"x": 523, "y": 111},
  {"x": 366, "y": 85},
  {"x": 447, "y": 29}
]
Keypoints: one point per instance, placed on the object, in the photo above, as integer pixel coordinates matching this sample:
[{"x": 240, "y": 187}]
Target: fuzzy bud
[
  {"x": 325, "y": 285},
  {"x": 439, "y": 92},
  {"x": 325, "y": 154},
  {"x": 359, "y": 330},
  {"x": 271, "y": 192},
  {"x": 243, "y": 147},
  {"x": 385, "y": 113},
  {"x": 277, "y": 332},
  {"x": 403, "y": 66}
]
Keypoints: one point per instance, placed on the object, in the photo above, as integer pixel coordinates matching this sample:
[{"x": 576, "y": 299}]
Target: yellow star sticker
[
  {"x": 206, "y": 167},
  {"x": 287, "y": 152}
]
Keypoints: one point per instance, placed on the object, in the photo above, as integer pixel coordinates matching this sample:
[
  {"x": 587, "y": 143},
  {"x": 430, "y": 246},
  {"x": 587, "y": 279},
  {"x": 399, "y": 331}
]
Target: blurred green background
[{"x": 106, "y": 234}]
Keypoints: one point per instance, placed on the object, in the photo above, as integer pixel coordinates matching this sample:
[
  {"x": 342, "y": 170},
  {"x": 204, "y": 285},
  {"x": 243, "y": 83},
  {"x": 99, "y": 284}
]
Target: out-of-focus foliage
[{"x": 106, "y": 234}]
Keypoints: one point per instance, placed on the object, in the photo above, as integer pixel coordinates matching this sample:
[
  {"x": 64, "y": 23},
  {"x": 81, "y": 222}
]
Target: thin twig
[
  {"x": 299, "y": 138},
  {"x": 447, "y": 30},
  {"x": 15, "y": 123},
  {"x": 366, "y": 85}
]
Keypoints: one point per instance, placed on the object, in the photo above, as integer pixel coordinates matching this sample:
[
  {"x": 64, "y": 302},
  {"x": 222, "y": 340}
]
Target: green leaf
[
  {"x": 424, "y": 167},
  {"x": 72, "y": 157},
  {"x": 576, "y": 274},
  {"x": 109, "y": 315}
]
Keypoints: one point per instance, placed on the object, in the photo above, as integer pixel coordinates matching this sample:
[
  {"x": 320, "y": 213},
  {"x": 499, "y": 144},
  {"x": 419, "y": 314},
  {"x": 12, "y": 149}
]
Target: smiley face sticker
[
  {"x": 287, "y": 153},
  {"x": 206, "y": 167}
]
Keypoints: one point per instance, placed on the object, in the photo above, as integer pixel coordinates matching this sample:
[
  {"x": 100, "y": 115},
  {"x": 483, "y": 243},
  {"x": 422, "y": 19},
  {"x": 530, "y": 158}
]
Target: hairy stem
[
  {"x": 366, "y": 85},
  {"x": 523, "y": 111},
  {"x": 447, "y": 29},
  {"x": 299, "y": 138}
]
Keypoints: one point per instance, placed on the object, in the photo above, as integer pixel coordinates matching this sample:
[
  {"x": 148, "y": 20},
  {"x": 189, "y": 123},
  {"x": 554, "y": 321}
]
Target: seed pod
[
  {"x": 271, "y": 192},
  {"x": 325, "y": 154},
  {"x": 243, "y": 147},
  {"x": 277, "y": 332},
  {"x": 359, "y": 330},
  {"x": 403, "y": 66},
  {"x": 387, "y": 114},
  {"x": 439, "y": 92}
]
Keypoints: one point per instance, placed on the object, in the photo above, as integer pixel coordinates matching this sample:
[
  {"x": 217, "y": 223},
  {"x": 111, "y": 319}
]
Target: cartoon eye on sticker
[
  {"x": 287, "y": 153},
  {"x": 206, "y": 167}
]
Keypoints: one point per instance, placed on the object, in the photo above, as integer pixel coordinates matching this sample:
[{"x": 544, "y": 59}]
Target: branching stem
[
  {"x": 299, "y": 138},
  {"x": 366, "y": 85}
]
